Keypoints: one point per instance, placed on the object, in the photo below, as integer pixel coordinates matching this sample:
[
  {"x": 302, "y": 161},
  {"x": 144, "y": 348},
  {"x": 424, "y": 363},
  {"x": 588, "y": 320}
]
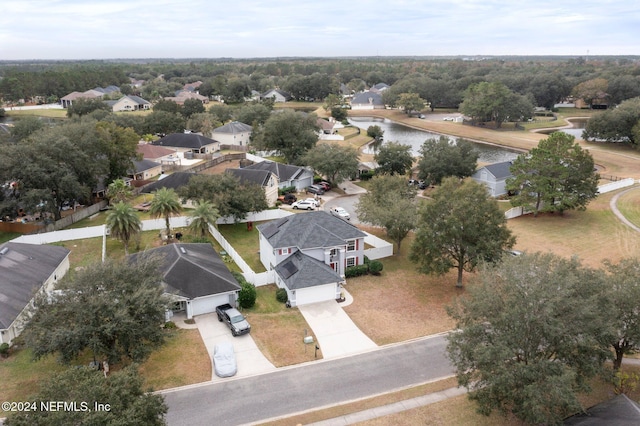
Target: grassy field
[
  {"x": 50, "y": 113},
  {"x": 629, "y": 206},
  {"x": 245, "y": 242}
]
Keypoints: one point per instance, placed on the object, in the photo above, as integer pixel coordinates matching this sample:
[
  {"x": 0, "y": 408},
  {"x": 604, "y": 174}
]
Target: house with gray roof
[
  {"x": 129, "y": 103},
  {"x": 277, "y": 95},
  {"x": 367, "y": 100},
  {"x": 288, "y": 175},
  {"x": 309, "y": 253},
  {"x": 145, "y": 169},
  {"x": 234, "y": 133},
  {"x": 189, "y": 142},
  {"x": 264, "y": 178},
  {"x": 494, "y": 176},
  {"x": 194, "y": 277},
  {"x": 26, "y": 269},
  {"x": 617, "y": 411}
]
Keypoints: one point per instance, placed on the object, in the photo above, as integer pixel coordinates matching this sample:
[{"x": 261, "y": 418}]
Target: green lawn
[
  {"x": 629, "y": 205},
  {"x": 245, "y": 242}
]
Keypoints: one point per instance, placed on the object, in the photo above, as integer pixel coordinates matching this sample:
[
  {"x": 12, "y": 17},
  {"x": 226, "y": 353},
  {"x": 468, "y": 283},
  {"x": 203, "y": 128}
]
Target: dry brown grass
[
  {"x": 401, "y": 290},
  {"x": 183, "y": 360},
  {"x": 279, "y": 331}
]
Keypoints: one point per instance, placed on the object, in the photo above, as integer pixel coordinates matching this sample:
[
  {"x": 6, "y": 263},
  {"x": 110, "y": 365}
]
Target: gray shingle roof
[
  {"x": 618, "y": 411},
  {"x": 184, "y": 140},
  {"x": 260, "y": 177},
  {"x": 23, "y": 270},
  {"x": 195, "y": 272},
  {"x": 301, "y": 271},
  {"x": 233, "y": 128},
  {"x": 173, "y": 181},
  {"x": 364, "y": 98},
  {"x": 283, "y": 171},
  {"x": 309, "y": 230},
  {"x": 142, "y": 165},
  {"x": 500, "y": 170}
]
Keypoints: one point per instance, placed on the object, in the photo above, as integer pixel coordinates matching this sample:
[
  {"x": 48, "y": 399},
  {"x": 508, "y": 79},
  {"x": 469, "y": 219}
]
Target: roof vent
[
  {"x": 4, "y": 251},
  {"x": 183, "y": 250}
]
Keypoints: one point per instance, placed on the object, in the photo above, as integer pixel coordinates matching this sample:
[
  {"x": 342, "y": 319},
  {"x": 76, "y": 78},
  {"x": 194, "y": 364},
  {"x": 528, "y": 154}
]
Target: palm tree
[
  {"x": 165, "y": 204},
  {"x": 123, "y": 223},
  {"x": 118, "y": 190},
  {"x": 204, "y": 215}
]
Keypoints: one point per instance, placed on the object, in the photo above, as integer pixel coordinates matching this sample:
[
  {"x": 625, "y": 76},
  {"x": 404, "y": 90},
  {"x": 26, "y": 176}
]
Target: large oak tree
[{"x": 460, "y": 228}]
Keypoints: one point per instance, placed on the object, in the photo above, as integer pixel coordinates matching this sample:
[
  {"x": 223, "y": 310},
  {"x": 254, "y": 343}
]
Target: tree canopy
[
  {"x": 227, "y": 194},
  {"x": 335, "y": 162},
  {"x": 557, "y": 175},
  {"x": 460, "y": 228},
  {"x": 621, "y": 124},
  {"x": 124, "y": 402},
  {"x": 114, "y": 309},
  {"x": 531, "y": 334},
  {"x": 494, "y": 101},
  {"x": 123, "y": 223},
  {"x": 289, "y": 133},
  {"x": 394, "y": 158},
  {"x": 443, "y": 157},
  {"x": 389, "y": 203},
  {"x": 165, "y": 203}
]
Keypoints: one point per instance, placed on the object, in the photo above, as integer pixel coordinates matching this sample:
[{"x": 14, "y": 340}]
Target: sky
[{"x": 117, "y": 29}]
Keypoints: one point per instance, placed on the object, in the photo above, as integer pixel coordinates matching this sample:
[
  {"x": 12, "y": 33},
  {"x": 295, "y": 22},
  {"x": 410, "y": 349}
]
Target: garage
[
  {"x": 207, "y": 304},
  {"x": 318, "y": 293}
]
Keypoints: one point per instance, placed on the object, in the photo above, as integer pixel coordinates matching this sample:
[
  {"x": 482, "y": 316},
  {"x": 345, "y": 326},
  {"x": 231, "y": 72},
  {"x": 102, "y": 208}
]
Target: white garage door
[
  {"x": 207, "y": 305},
  {"x": 315, "y": 294}
]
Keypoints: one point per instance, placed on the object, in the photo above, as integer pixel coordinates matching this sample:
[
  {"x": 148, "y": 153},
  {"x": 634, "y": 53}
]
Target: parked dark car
[
  {"x": 314, "y": 189},
  {"x": 234, "y": 319},
  {"x": 287, "y": 198}
]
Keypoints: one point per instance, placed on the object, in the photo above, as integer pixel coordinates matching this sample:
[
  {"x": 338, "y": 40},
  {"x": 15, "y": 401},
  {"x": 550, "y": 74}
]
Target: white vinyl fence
[
  {"x": 381, "y": 248},
  {"x": 612, "y": 186}
]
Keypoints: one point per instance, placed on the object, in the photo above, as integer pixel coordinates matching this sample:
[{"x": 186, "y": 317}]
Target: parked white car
[
  {"x": 313, "y": 201},
  {"x": 303, "y": 205},
  {"x": 341, "y": 213}
]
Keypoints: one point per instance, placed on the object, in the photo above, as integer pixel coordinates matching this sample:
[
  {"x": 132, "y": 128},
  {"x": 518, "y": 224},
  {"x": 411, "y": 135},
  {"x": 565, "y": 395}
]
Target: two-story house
[{"x": 309, "y": 253}]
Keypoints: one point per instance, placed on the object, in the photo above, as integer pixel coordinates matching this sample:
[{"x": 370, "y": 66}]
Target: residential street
[{"x": 304, "y": 387}]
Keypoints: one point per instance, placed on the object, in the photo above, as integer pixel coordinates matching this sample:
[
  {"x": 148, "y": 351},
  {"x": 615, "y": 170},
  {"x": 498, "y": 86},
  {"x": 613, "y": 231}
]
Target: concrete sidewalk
[
  {"x": 337, "y": 335},
  {"x": 385, "y": 410}
]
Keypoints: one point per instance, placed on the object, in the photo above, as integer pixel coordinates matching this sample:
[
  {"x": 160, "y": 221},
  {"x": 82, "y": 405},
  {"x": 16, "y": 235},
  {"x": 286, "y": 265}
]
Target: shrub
[
  {"x": 247, "y": 295},
  {"x": 366, "y": 174},
  {"x": 356, "y": 271},
  {"x": 170, "y": 325},
  {"x": 281, "y": 295},
  {"x": 286, "y": 190},
  {"x": 366, "y": 260},
  {"x": 375, "y": 267},
  {"x": 4, "y": 350}
]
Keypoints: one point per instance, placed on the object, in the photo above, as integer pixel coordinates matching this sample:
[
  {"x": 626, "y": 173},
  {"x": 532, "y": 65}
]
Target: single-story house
[
  {"x": 267, "y": 180},
  {"x": 145, "y": 170},
  {"x": 379, "y": 88},
  {"x": 129, "y": 103},
  {"x": 26, "y": 269},
  {"x": 367, "y": 100},
  {"x": 189, "y": 142},
  {"x": 159, "y": 154},
  {"x": 234, "y": 133},
  {"x": 309, "y": 253},
  {"x": 288, "y": 175},
  {"x": 183, "y": 95},
  {"x": 277, "y": 95},
  {"x": 98, "y": 92},
  {"x": 192, "y": 87},
  {"x": 172, "y": 181},
  {"x": 494, "y": 176},
  {"x": 194, "y": 277}
]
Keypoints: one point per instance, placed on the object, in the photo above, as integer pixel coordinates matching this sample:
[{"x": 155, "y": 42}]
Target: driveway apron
[
  {"x": 249, "y": 359},
  {"x": 337, "y": 335}
]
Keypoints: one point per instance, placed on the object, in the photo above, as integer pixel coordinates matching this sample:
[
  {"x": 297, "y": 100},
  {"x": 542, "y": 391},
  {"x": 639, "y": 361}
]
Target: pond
[
  {"x": 578, "y": 126},
  {"x": 394, "y": 132}
]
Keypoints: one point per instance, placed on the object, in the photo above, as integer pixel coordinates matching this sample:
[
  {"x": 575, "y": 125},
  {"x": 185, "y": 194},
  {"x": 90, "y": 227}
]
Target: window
[
  {"x": 285, "y": 251},
  {"x": 351, "y": 245},
  {"x": 351, "y": 261},
  {"x": 334, "y": 251}
]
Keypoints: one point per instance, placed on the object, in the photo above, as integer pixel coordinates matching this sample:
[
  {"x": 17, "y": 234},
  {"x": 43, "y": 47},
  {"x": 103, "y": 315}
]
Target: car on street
[
  {"x": 449, "y": 119},
  {"x": 224, "y": 360},
  {"x": 304, "y": 205},
  {"x": 340, "y": 212},
  {"x": 314, "y": 189}
]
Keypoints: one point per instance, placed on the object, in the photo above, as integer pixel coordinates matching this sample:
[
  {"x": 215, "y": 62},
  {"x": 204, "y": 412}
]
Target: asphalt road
[{"x": 305, "y": 387}]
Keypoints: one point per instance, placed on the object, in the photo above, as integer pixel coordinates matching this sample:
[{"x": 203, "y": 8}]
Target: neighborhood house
[
  {"x": 26, "y": 269},
  {"x": 194, "y": 277},
  {"x": 309, "y": 253},
  {"x": 494, "y": 176}
]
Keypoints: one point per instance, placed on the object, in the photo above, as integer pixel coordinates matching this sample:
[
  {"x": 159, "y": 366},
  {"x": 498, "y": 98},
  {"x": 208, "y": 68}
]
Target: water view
[{"x": 394, "y": 132}]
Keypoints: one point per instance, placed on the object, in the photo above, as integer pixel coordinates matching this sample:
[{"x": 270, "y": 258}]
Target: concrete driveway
[
  {"x": 337, "y": 335},
  {"x": 248, "y": 357}
]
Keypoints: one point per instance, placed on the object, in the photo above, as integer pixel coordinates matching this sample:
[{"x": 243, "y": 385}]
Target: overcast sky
[{"x": 102, "y": 29}]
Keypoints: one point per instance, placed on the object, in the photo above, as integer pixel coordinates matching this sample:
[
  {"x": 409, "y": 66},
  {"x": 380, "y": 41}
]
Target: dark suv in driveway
[{"x": 314, "y": 189}]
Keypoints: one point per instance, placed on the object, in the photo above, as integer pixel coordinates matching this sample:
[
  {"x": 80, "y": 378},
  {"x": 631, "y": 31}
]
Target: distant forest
[{"x": 440, "y": 80}]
